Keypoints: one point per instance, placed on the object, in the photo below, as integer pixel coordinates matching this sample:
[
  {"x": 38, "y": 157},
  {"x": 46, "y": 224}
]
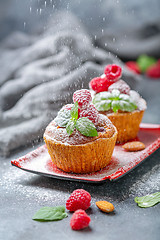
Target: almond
[
  {"x": 105, "y": 206},
  {"x": 134, "y": 146}
]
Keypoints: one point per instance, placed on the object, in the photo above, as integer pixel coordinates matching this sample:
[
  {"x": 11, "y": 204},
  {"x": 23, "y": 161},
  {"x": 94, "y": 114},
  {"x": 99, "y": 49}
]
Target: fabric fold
[{"x": 41, "y": 75}]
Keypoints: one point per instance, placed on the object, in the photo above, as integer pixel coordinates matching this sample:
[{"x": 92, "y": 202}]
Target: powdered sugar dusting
[
  {"x": 120, "y": 164},
  {"x": 103, "y": 75},
  {"x": 83, "y": 97},
  {"x": 61, "y": 135},
  {"x": 91, "y": 113},
  {"x": 121, "y": 85},
  {"x": 25, "y": 185},
  {"x": 149, "y": 183},
  {"x": 140, "y": 102}
]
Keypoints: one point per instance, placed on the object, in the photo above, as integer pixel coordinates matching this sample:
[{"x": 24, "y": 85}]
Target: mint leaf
[
  {"x": 104, "y": 105},
  {"x": 148, "y": 200},
  {"x": 50, "y": 214},
  {"x": 74, "y": 111},
  {"x": 115, "y": 94},
  {"x": 102, "y": 96},
  {"x": 144, "y": 62},
  {"x": 63, "y": 117},
  {"x": 105, "y": 101},
  {"x": 126, "y": 106},
  {"x": 124, "y": 97},
  {"x": 132, "y": 106},
  {"x": 86, "y": 127},
  {"x": 70, "y": 127},
  {"x": 69, "y": 120},
  {"x": 115, "y": 105}
]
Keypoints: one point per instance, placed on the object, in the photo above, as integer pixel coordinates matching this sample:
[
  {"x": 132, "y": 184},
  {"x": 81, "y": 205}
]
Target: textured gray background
[{"x": 131, "y": 27}]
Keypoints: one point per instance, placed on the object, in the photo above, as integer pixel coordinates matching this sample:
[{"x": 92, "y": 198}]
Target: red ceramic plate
[{"x": 39, "y": 162}]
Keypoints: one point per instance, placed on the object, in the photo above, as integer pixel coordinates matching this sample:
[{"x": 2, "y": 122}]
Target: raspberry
[
  {"x": 113, "y": 72},
  {"x": 133, "y": 66},
  {"x": 79, "y": 220},
  {"x": 121, "y": 86},
  {"x": 99, "y": 84},
  {"x": 154, "y": 70},
  {"x": 83, "y": 97},
  {"x": 79, "y": 199},
  {"x": 91, "y": 113}
]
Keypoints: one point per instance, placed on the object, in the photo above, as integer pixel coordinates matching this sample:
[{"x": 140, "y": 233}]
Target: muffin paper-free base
[
  {"x": 84, "y": 158},
  {"x": 127, "y": 124}
]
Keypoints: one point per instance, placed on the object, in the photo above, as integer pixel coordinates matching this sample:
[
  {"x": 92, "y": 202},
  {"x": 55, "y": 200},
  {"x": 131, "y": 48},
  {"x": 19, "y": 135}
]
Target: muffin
[
  {"x": 113, "y": 97},
  {"x": 79, "y": 139}
]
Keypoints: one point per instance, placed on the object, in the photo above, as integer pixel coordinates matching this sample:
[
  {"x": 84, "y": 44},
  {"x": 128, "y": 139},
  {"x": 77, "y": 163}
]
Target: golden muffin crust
[{"x": 54, "y": 132}]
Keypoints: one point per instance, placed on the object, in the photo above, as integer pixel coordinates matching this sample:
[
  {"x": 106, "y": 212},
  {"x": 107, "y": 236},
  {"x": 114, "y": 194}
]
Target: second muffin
[{"x": 114, "y": 98}]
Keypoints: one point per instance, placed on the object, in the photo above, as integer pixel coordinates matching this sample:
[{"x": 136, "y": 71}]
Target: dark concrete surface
[{"x": 23, "y": 193}]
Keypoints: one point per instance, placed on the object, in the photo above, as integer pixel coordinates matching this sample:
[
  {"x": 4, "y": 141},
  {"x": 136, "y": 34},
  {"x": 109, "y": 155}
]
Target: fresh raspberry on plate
[
  {"x": 79, "y": 199},
  {"x": 121, "y": 85},
  {"x": 133, "y": 66},
  {"x": 113, "y": 72},
  {"x": 79, "y": 220},
  {"x": 91, "y": 113},
  {"x": 83, "y": 97},
  {"x": 99, "y": 84}
]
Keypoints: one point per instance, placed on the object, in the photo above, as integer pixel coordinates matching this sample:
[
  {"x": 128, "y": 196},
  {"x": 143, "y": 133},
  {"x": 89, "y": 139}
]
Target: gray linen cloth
[{"x": 40, "y": 73}]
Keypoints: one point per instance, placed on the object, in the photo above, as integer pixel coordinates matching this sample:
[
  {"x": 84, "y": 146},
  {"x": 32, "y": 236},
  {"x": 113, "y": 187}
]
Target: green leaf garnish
[
  {"x": 86, "y": 127},
  {"x": 70, "y": 126},
  {"x": 148, "y": 200},
  {"x": 115, "y": 105},
  {"x": 74, "y": 111},
  {"x": 115, "y": 101},
  {"x": 100, "y": 97},
  {"x": 63, "y": 117},
  {"x": 104, "y": 104},
  {"x": 69, "y": 120},
  {"x": 124, "y": 97},
  {"x": 115, "y": 94},
  {"x": 50, "y": 214},
  {"x": 144, "y": 62}
]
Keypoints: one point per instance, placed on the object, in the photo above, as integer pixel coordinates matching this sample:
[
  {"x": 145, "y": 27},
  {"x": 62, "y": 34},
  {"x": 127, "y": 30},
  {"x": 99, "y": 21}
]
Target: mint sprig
[
  {"x": 70, "y": 126},
  {"x": 74, "y": 111},
  {"x": 63, "y": 118},
  {"x": 144, "y": 62},
  {"x": 86, "y": 127},
  {"x": 69, "y": 120},
  {"x": 115, "y": 101},
  {"x": 50, "y": 214},
  {"x": 148, "y": 200}
]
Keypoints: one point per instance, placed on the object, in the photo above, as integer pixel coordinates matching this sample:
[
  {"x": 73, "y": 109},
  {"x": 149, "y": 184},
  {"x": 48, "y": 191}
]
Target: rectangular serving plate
[{"x": 39, "y": 162}]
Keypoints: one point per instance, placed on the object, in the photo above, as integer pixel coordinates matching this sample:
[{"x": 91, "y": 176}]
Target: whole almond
[
  {"x": 105, "y": 206},
  {"x": 133, "y": 146}
]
